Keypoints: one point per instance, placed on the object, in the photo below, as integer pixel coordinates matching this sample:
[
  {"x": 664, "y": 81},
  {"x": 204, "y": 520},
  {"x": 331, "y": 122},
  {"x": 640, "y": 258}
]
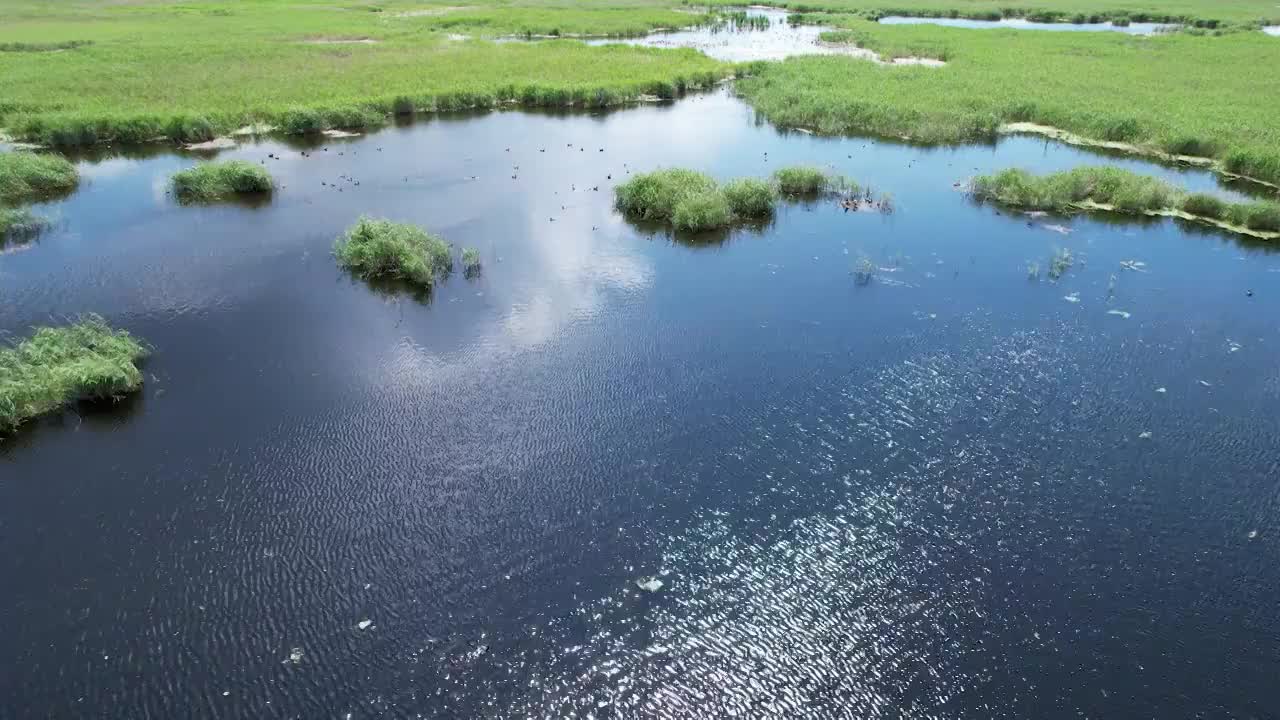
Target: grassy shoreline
[
  {"x": 1177, "y": 95},
  {"x": 181, "y": 73},
  {"x": 1121, "y": 191},
  {"x": 164, "y": 71}
]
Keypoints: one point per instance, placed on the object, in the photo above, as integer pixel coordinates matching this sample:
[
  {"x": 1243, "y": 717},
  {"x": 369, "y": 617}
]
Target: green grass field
[
  {"x": 1179, "y": 94},
  {"x": 82, "y": 72},
  {"x": 192, "y": 71},
  {"x": 1236, "y": 11}
]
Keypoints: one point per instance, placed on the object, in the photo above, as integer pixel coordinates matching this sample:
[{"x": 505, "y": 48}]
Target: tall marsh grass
[
  {"x": 801, "y": 180},
  {"x": 750, "y": 198},
  {"x": 31, "y": 176},
  {"x": 20, "y": 225},
  {"x": 1122, "y": 190},
  {"x": 694, "y": 201},
  {"x": 1174, "y": 93},
  {"x": 56, "y": 366},
  {"x": 212, "y": 181},
  {"x": 375, "y": 248}
]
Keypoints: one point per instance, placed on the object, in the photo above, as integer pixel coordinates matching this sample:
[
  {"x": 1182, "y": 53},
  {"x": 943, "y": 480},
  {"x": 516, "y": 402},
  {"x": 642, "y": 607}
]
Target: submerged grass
[
  {"x": 220, "y": 180},
  {"x": 1122, "y": 190},
  {"x": 30, "y": 176},
  {"x": 470, "y": 260},
  {"x": 58, "y": 366},
  {"x": 20, "y": 224},
  {"x": 377, "y": 248}
]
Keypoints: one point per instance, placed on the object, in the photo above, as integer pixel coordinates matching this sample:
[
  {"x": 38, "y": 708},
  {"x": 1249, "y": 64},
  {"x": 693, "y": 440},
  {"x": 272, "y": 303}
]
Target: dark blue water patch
[
  {"x": 1020, "y": 24},
  {"x": 947, "y": 492}
]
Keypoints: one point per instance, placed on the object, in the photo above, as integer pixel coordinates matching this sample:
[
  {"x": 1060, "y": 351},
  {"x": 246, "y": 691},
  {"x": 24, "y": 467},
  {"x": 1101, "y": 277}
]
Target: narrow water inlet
[{"x": 1021, "y": 24}]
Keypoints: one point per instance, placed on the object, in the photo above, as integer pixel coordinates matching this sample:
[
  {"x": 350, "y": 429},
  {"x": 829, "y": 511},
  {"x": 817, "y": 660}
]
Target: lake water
[
  {"x": 1272, "y": 30},
  {"x": 1020, "y": 24},
  {"x": 777, "y": 41},
  {"x": 948, "y": 492}
]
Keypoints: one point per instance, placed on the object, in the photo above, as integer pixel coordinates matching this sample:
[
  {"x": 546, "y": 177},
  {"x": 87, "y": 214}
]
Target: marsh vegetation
[
  {"x": 20, "y": 225},
  {"x": 56, "y": 366},
  {"x": 1121, "y": 191},
  {"x": 694, "y": 201},
  {"x": 26, "y": 176},
  {"x": 212, "y": 181},
  {"x": 376, "y": 248}
]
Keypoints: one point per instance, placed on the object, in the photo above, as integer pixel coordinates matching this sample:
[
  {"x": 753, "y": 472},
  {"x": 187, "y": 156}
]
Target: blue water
[
  {"x": 948, "y": 492},
  {"x": 1020, "y": 24}
]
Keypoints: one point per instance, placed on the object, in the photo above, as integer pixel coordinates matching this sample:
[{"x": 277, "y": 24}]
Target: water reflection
[
  {"x": 947, "y": 491},
  {"x": 1136, "y": 28},
  {"x": 776, "y": 41}
]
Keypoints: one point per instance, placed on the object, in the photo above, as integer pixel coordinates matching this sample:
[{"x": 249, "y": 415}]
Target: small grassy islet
[
  {"x": 801, "y": 180},
  {"x": 57, "y": 366},
  {"x": 26, "y": 176},
  {"x": 375, "y": 248},
  {"x": 1122, "y": 191},
  {"x": 693, "y": 201},
  {"x": 212, "y": 181}
]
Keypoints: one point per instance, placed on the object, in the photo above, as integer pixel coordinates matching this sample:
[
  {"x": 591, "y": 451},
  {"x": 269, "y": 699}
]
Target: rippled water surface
[
  {"x": 1020, "y": 24},
  {"x": 950, "y": 492}
]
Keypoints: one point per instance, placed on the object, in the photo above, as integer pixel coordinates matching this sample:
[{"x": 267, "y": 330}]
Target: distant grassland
[
  {"x": 188, "y": 72},
  {"x": 1228, "y": 11},
  {"x": 86, "y": 72},
  {"x": 1179, "y": 94}
]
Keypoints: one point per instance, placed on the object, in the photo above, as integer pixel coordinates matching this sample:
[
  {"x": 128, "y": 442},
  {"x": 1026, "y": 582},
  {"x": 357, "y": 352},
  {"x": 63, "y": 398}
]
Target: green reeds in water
[
  {"x": 212, "y": 181},
  {"x": 655, "y": 195},
  {"x": 1120, "y": 190},
  {"x": 376, "y": 248},
  {"x": 864, "y": 271},
  {"x": 693, "y": 201},
  {"x": 801, "y": 180},
  {"x": 471, "y": 262},
  {"x": 32, "y": 176},
  {"x": 1060, "y": 263},
  {"x": 20, "y": 225},
  {"x": 750, "y": 198},
  {"x": 57, "y": 366}
]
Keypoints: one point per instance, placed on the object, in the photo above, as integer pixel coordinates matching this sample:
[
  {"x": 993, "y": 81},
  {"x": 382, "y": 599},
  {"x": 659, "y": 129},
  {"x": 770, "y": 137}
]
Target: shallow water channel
[
  {"x": 777, "y": 41},
  {"x": 1021, "y": 24},
  {"x": 952, "y": 491}
]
